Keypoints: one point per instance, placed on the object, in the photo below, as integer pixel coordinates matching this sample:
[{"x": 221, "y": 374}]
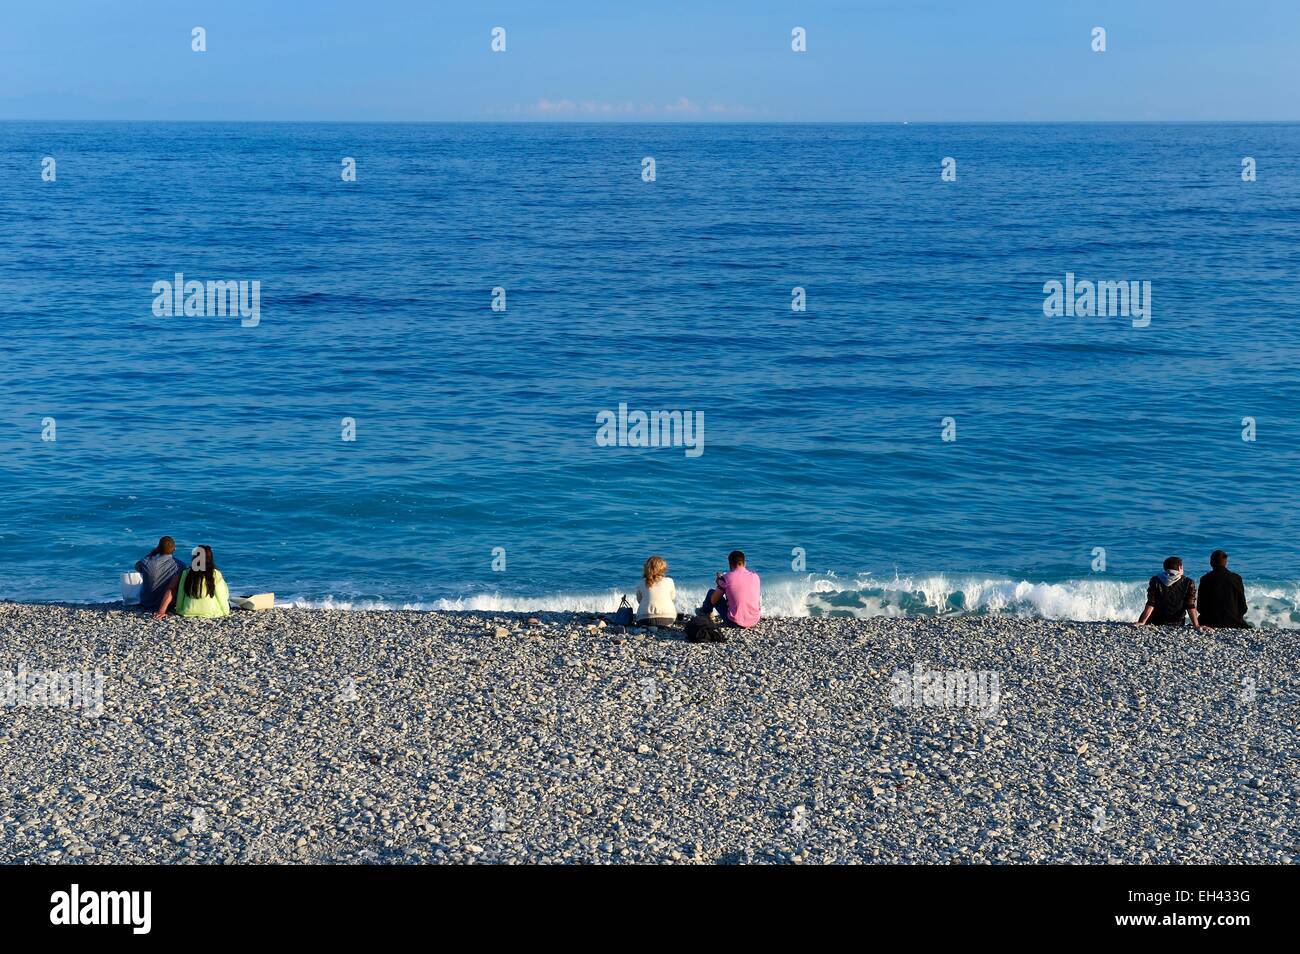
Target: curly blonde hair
[{"x": 655, "y": 569}]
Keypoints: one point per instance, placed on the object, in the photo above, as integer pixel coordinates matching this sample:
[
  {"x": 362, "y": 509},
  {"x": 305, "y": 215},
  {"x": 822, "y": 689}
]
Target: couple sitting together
[
  {"x": 1219, "y": 602},
  {"x": 735, "y": 595},
  {"x": 196, "y": 590}
]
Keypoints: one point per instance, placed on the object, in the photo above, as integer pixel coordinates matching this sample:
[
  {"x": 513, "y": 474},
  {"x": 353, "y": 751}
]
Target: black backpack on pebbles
[{"x": 702, "y": 628}]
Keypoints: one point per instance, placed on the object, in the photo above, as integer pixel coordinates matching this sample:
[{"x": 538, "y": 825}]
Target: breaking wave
[{"x": 938, "y": 594}]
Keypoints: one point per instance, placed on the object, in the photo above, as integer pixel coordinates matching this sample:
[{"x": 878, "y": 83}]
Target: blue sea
[{"x": 476, "y": 480}]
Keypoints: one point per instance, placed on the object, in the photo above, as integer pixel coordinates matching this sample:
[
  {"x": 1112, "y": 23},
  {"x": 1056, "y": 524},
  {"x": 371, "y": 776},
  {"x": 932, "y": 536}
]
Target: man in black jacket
[
  {"x": 1171, "y": 597},
  {"x": 1222, "y": 598}
]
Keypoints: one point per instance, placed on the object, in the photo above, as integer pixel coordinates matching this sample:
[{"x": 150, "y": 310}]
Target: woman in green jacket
[{"x": 201, "y": 590}]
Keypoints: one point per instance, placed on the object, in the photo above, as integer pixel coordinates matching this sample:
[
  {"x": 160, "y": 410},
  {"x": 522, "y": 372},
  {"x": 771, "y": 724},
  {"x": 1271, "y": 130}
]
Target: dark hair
[
  {"x": 736, "y": 558},
  {"x": 196, "y": 580},
  {"x": 1218, "y": 558},
  {"x": 165, "y": 546},
  {"x": 1173, "y": 563}
]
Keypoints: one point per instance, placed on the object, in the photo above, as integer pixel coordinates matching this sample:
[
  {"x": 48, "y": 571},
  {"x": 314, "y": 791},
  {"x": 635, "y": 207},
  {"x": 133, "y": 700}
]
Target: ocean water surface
[{"x": 475, "y": 478}]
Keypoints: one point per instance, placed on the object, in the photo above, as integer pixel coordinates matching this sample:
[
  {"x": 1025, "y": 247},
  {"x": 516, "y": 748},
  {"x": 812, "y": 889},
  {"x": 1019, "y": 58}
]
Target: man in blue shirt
[{"x": 158, "y": 570}]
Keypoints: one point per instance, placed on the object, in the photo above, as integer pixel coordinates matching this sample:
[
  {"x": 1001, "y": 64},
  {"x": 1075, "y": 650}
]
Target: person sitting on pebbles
[
  {"x": 1170, "y": 598},
  {"x": 158, "y": 572},
  {"x": 1221, "y": 597},
  {"x": 200, "y": 591},
  {"x": 735, "y": 594},
  {"x": 656, "y": 595}
]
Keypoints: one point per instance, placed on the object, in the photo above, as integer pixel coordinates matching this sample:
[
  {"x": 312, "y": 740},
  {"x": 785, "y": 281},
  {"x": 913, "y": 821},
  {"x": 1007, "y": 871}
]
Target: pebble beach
[{"x": 315, "y": 736}]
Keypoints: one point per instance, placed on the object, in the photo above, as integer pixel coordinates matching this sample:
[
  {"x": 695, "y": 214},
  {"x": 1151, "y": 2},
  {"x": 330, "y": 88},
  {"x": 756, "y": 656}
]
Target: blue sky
[{"x": 617, "y": 60}]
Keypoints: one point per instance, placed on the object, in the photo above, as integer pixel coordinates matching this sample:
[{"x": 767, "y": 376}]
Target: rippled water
[{"x": 476, "y": 429}]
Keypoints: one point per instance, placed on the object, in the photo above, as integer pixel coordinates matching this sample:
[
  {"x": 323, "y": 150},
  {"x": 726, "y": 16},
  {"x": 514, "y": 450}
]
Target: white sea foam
[{"x": 939, "y": 594}]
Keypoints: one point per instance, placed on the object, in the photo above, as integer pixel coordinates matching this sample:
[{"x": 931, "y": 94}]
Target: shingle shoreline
[{"x": 397, "y": 737}]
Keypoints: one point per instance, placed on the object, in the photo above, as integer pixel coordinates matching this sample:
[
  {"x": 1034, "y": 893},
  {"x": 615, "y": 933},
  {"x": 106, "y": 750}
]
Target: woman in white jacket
[{"x": 656, "y": 595}]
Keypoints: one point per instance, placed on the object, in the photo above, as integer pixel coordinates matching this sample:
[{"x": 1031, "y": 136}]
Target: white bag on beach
[
  {"x": 255, "y": 603},
  {"x": 132, "y": 583}
]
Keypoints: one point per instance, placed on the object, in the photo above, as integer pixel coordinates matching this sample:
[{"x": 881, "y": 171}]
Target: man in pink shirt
[{"x": 736, "y": 594}]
